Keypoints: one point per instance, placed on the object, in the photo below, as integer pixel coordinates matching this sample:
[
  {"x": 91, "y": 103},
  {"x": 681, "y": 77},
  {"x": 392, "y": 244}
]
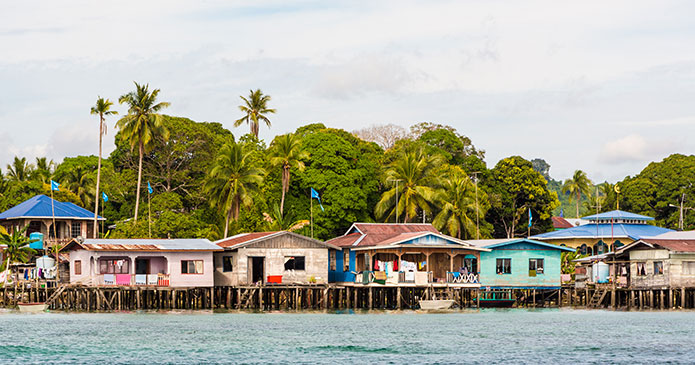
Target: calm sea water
[{"x": 518, "y": 336}]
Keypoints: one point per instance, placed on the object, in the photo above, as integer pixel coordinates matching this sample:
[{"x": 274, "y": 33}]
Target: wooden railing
[
  {"x": 460, "y": 278},
  {"x": 132, "y": 280}
]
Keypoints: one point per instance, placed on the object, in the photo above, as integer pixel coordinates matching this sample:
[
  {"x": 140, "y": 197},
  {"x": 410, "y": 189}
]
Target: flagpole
[
  {"x": 102, "y": 222},
  {"x": 149, "y": 213},
  {"x": 311, "y": 212}
]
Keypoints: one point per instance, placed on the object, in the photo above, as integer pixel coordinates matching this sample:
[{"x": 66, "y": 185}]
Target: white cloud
[{"x": 636, "y": 148}]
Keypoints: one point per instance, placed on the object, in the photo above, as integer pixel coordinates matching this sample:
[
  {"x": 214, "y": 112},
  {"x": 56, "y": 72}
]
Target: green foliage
[
  {"x": 575, "y": 186},
  {"x": 658, "y": 185},
  {"x": 344, "y": 170},
  {"x": 457, "y": 200},
  {"x": 17, "y": 245},
  {"x": 514, "y": 187}
]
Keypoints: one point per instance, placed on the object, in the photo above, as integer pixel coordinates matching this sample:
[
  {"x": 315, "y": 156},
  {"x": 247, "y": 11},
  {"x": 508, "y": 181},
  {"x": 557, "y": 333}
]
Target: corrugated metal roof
[
  {"x": 40, "y": 207},
  {"x": 345, "y": 241},
  {"x": 242, "y": 238},
  {"x": 604, "y": 230},
  {"x": 393, "y": 228},
  {"x": 561, "y": 223},
  {"x": 497, "y": 243},
  {"x": 148, "y": 244},
  {"x": 618, "y": 214},
  {"x": 677, "y": 245}
]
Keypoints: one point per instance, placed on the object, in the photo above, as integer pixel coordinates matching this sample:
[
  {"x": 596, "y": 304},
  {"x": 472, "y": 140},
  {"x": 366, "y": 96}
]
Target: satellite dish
[{"x": 80, "y": 239}]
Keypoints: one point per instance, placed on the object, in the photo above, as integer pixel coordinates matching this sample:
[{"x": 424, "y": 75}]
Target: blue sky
[{"x": 605, "y": 87}]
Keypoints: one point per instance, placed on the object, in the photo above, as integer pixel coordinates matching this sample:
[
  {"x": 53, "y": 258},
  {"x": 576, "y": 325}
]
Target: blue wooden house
[
  {"x": 407, "y": 253},
  {"x": 520, "y": 263}
]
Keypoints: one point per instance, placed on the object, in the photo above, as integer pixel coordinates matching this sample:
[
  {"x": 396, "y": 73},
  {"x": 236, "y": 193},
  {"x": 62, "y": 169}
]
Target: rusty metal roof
[
  {"x": 148, "y": 244},
  {"x": 244, "y": 239},
  {"x": 677, "y": 245}
]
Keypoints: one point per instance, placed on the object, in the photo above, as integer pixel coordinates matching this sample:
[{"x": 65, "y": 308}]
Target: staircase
[
  {"x": 55, "y": 294},
  {"x": 597, "y": 298}
]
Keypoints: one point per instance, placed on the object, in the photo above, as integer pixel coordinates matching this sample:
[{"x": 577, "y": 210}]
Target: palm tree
[
  {"x": 80, "y": 181},
  {"x": 411, "y": 175},
  {"x": 231, "y": 181},
  {"x": 283, "y": 222},
  {"x": 102, "y": 108},
  {"x": 17, "y": 249},
  {"x": 577, "y": 185},
  {"x": 255, "y": 108},
  {"x": 140, "y": 126},
  {"x": 19, "y": 170},
  {"x": 286, "y": 152},
  {"x": 44, "y": 170},
  {"x": 458, "y": 206}
]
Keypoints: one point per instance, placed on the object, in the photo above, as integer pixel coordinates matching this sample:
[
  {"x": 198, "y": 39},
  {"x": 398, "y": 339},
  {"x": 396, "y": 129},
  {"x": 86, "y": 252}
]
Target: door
[
  {"x": 257, "y": 269},
  {"x": 142, "y": 266}
]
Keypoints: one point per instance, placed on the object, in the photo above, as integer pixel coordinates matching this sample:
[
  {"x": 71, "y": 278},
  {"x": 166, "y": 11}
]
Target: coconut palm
[
  {"x": 577, "y": 185},
  {"x": 458, "y": 206},
  {"x": 44, "y": 170},
  {"x": 411, "y": 175},
  {"x": 286, "y": 152},
  {"x": 140, "y": 126},
  {"x": 232, "y": 180},
  {"x": 80, "y": 181},
  {"x": 255, "y": 108},
  {"x": 19, "y": 170},
  {"x": 17, "y": 246},
  {"x": 102, "y": 108},
  {"x": 277, "y": 221}
]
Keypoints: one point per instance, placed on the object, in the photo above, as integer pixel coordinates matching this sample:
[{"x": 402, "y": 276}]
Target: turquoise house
[{"x": 520, "y": 263}]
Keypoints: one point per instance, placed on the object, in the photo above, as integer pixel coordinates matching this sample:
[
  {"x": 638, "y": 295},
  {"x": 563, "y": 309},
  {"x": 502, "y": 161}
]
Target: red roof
[
  {"x": 678, "y": 245},
  {"x": 374, "y": 234},
  {"x": 242, "y": 237},
  {"x": 561, "y": 223}
]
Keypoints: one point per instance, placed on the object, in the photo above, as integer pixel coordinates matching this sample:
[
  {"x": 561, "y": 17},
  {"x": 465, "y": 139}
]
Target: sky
[{"x": 605, "y": 87}]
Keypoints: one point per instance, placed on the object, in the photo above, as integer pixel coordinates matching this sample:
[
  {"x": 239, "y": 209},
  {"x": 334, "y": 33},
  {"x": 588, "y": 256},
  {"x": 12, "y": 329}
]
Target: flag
[
  {"x": 149, "y": 188},
  {"x": 55, "y": 186},
  {"x": 104, "y": 196},
  {"x": 530, "y": 217},
  {"x": 562, "y": 213},
  {"x": 315, "y": 194}
]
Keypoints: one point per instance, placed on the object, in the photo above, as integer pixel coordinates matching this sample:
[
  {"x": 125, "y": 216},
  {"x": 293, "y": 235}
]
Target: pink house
[{"x": 142, "y": 262}]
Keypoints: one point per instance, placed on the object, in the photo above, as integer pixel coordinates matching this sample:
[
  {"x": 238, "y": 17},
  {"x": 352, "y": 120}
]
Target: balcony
[
  {"x": 414, "y": 277},
  {"x": 132, "y": 280}
]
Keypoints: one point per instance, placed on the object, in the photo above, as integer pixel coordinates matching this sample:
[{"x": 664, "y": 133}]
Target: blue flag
[
  {"x": 149, "y": 188},
  {"x": 530, "y": 217},
  {"x": 104, "y": 196},
  {"x": 315, "y": 194},
  {"x": 562, "y": 213},
  {"x": 55, "y": 186}
]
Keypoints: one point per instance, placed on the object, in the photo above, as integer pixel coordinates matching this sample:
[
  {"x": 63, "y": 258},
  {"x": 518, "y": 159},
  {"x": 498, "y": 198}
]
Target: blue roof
[
  {"x": 603, "y": 230},
  {"x": 40, "y": 207},
  {"x": 497, "y": 243},
  {"x": 618, "y": 214}
]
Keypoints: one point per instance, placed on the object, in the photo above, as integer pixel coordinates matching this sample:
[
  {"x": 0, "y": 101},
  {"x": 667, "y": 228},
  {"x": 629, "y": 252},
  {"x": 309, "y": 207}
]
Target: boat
[
  {"x": 436, "y": 304},
  {"x": 25, "y": 307},
  {"x": 497, "y": 299}
]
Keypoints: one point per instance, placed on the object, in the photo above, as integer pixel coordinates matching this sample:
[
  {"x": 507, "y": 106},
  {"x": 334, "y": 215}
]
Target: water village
[
  {"x": 322, "y": 218},
  {"x": 632, "y": 265}
]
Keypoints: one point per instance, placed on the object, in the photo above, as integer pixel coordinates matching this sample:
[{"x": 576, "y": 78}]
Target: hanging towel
[
  {"x": 152, "y": 279},
  {"x": 26, "y": 274},
  {"x": 109, "y": 279},
  {"x": 123, "y": 279},
  {"x": 140, "y": 279}
]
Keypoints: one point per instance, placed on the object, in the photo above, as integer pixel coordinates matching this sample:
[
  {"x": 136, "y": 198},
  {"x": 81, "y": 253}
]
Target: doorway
[
  {"x": 142, "y": 266},
  {"x": 257, "y": 269}
]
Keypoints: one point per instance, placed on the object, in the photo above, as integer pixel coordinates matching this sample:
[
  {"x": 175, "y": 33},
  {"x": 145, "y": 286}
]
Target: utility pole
[{"x": 396, "y": 180}]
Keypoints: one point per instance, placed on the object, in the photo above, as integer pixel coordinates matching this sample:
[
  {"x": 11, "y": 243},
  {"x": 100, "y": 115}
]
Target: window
[
  {"x": 641, "y": 269},
  {"x": 346, "y": 259},
  {"x": 114, "y": 266},
  {"x": 504, "y": 266},
  {"x": 688, "y": 267},
  {"x": 535, "y": 266},
  {"x": 331, "y": 260},
  {"x": 658, "y": 267},
  {"x": 76, "y": 229},
  {"x": 191, "y": 266},
  {"x": 227, "y": 263},
  {"x": 583, "y": 249},
  {"x": 78, "y": 267},
  {"x": 294, "y": 263}
]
